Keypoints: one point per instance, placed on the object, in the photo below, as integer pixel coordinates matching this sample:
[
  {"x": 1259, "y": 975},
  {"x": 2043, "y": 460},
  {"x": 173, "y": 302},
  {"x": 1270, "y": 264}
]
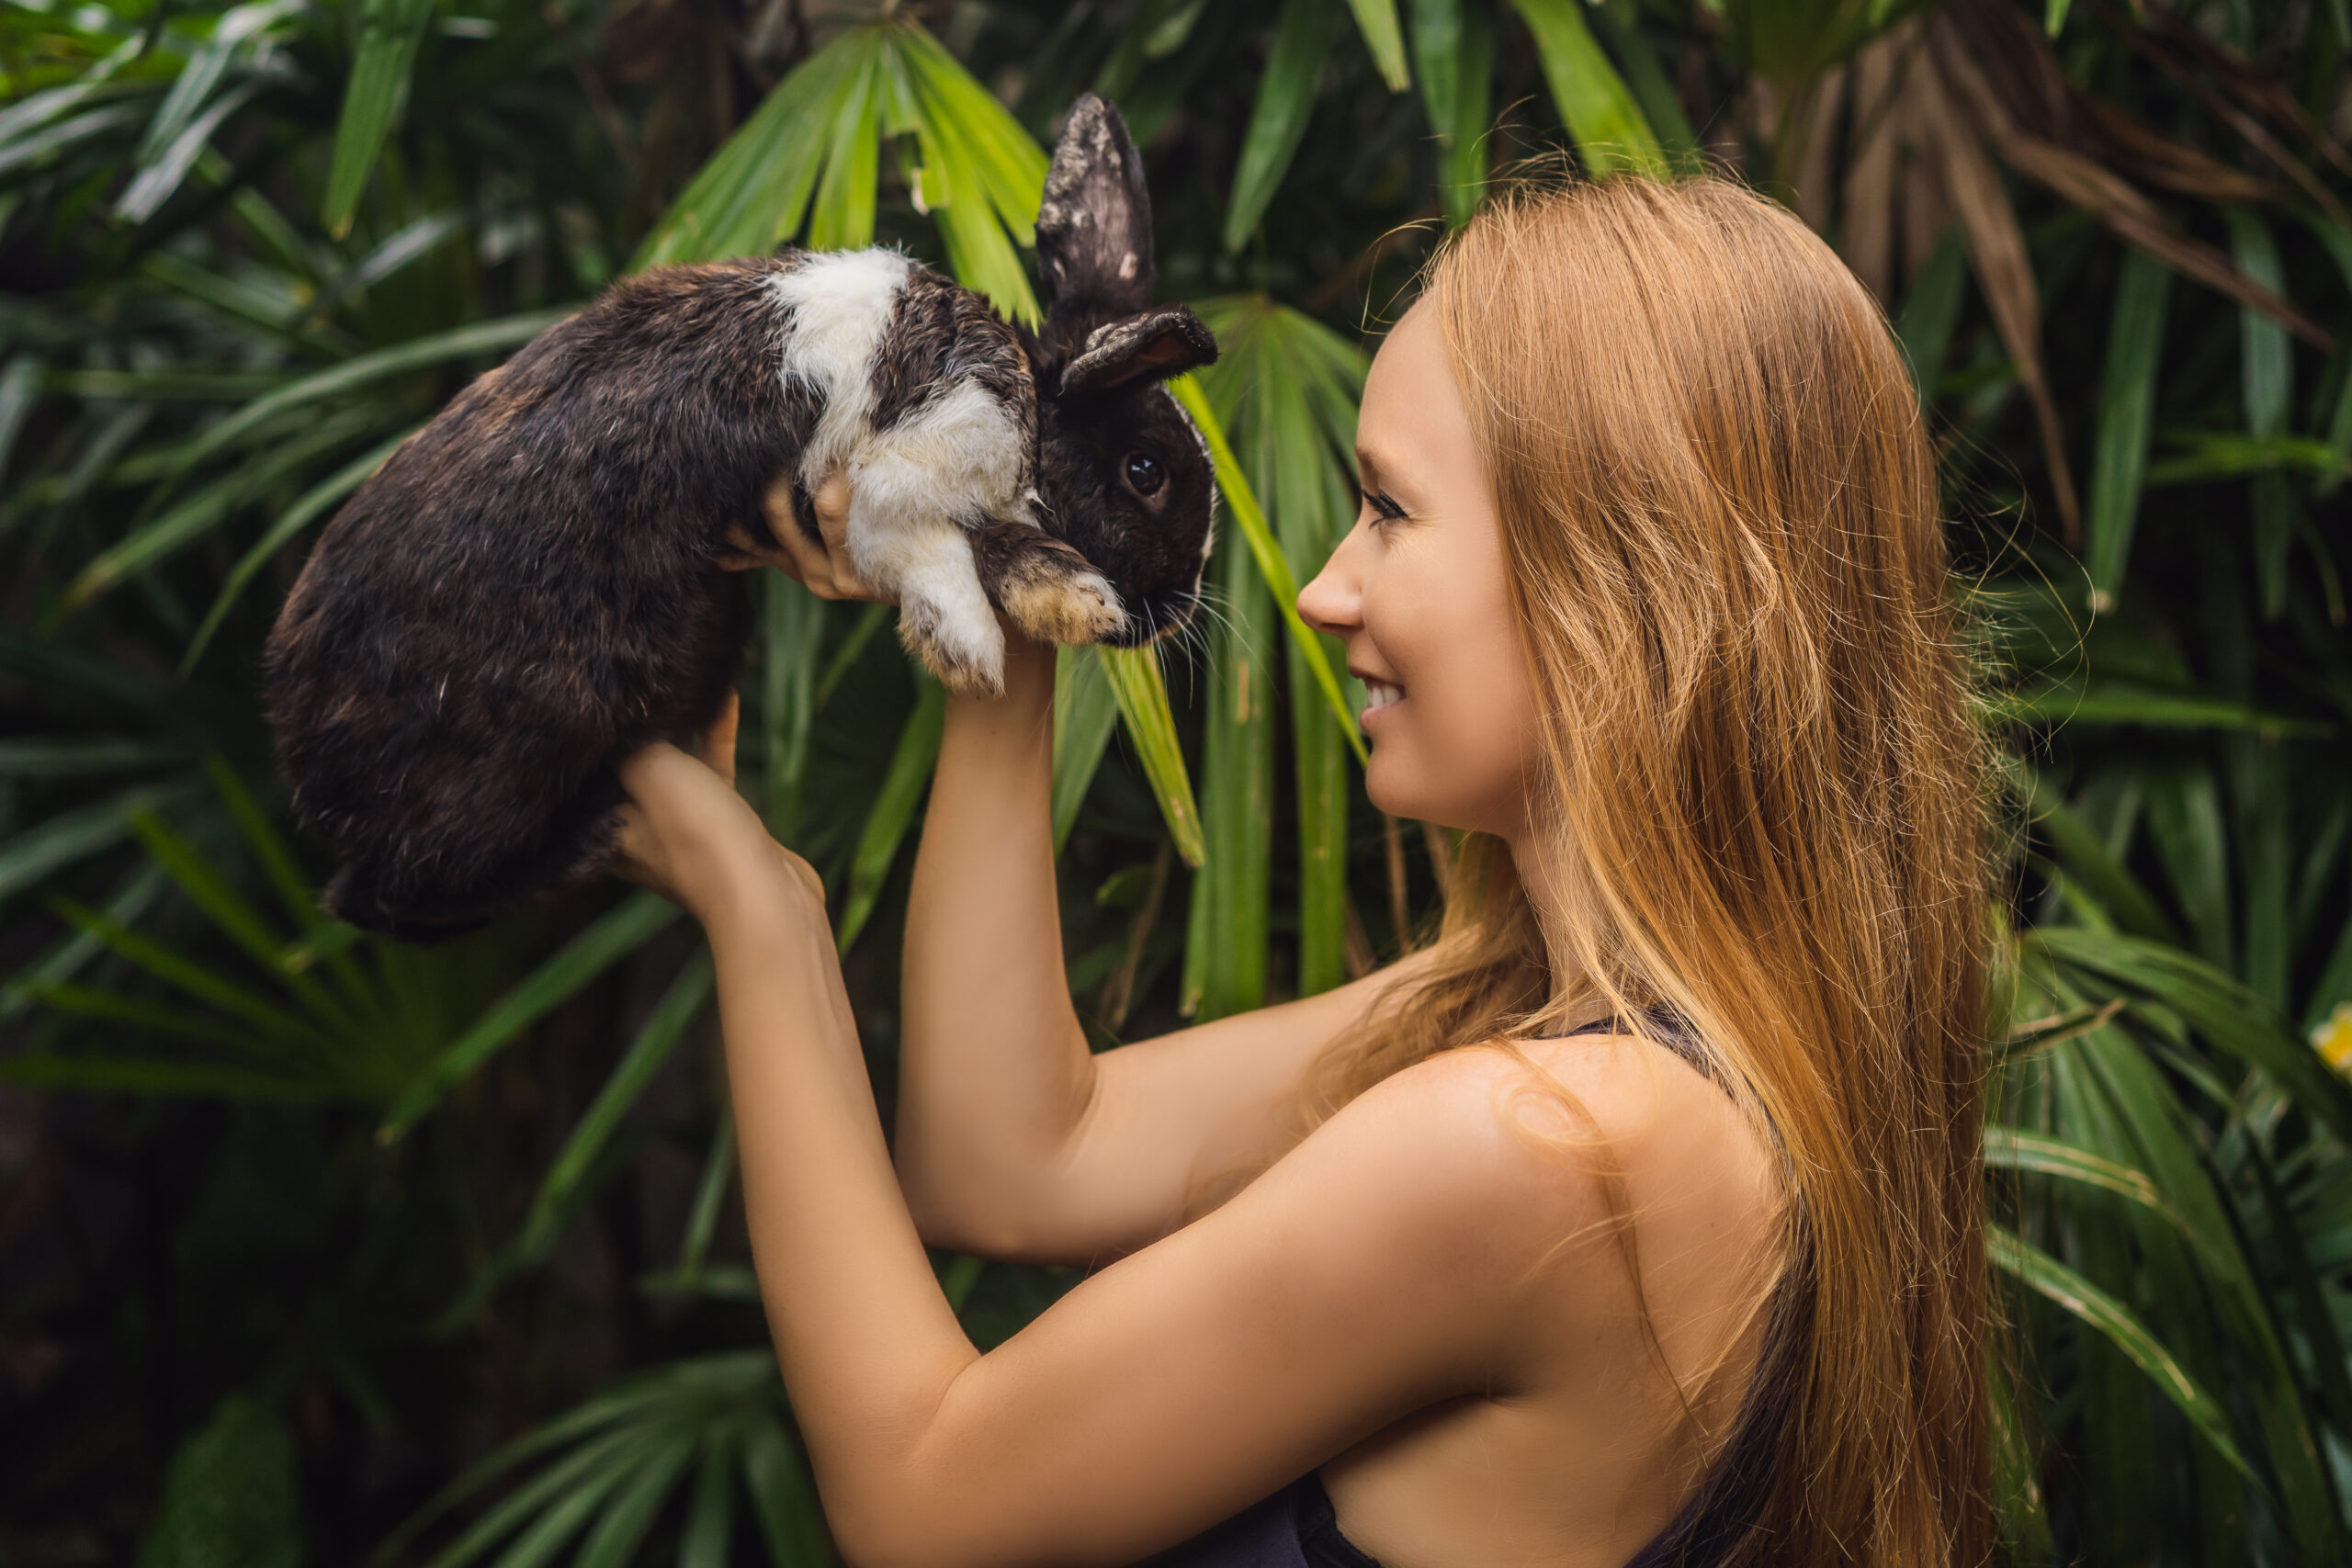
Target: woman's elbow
[
  {"x": 978, "y": 1236},
  {"x": 983, "y": 1221},
  {"x": 950, "y": 1214}
]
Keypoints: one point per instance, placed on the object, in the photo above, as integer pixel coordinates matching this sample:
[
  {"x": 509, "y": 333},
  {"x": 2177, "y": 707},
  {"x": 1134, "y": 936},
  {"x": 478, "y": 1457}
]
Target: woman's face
[{"x": 1418, "y": 593}]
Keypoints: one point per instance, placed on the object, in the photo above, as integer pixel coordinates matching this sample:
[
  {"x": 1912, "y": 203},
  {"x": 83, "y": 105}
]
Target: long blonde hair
[{"x": 1719, "y": 518}]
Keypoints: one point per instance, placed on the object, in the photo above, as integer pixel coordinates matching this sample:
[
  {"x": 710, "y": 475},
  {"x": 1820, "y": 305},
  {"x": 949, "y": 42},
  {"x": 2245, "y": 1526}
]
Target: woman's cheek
[{"x": 1459, "y": 757}]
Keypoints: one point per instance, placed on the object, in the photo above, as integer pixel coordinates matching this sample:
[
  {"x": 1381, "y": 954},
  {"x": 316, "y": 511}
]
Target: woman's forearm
[
  {"x": 994, "y": 1070},
  {"x": 867, "y": 1343}
]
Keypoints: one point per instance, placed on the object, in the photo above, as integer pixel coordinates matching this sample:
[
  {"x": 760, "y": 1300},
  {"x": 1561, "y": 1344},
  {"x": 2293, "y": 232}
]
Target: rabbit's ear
[
  {"x": 1094, "y": 227},
  {"x": 1150, "y": 346}
]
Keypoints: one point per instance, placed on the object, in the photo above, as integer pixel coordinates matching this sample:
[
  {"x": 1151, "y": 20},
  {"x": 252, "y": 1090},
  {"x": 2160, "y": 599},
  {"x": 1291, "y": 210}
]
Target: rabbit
[{"x": 534, "y": 585}]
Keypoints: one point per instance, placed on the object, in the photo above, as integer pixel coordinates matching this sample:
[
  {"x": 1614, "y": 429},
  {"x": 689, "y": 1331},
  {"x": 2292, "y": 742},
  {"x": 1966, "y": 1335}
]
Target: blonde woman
[{"x": 1636, "y": 1219}]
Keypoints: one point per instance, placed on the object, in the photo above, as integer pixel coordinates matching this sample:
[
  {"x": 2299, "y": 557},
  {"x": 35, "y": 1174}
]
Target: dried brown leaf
[
  {"x": 2093, "y": 186},
  {"x": 1867, "y": 235},
  {"x": 1926, "y": 210},
  {"x": 2113, "y": 137},
  {"x": 1816, "y": 181},
  {"x": 1997, "y": 255},
  {"x": 2247, "y": 128},
  {"x": 2239, "y": 75}
]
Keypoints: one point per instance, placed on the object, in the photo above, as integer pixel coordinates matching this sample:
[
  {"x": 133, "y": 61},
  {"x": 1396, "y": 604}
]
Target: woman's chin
[
  {"x": 1397, "y": 782},
  {"x": 1392, "y": 784}
]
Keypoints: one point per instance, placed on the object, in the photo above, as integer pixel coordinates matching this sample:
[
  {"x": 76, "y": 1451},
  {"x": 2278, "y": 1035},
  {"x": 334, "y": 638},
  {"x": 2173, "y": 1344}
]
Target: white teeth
[{"x": 1380, "y": 693}]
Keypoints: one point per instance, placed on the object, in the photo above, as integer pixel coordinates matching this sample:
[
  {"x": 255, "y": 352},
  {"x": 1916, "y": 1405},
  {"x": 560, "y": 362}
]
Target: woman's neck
[{"x": 1549, "y": 877}]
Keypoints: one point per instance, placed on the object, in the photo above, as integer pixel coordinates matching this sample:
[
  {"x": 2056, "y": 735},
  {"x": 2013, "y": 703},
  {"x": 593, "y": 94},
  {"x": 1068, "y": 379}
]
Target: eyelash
[{"x": 1387, "y": 509}]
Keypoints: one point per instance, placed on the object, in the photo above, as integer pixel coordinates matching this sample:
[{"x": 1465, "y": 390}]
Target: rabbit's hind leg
[{"x": 944, "y": 618}]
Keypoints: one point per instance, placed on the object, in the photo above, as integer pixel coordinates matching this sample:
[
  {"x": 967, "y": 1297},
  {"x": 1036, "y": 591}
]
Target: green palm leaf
[
  {"x": 381, "y": 62},
  {"x": 1085, "y": 712},
  {"x": 2047, "y": 1276},
  {"x": 1286, "y": 95},
  {"x": 812, "y": 152},
  {"x": 1141, "y": 693},
  {"x": 894, "y": 808},
  {"x": 1287, "y": 387},
  {"x": 1610, "y": 128},
  {"x": 1241, "y": 504},
  {"x": 626, "y": 928}
]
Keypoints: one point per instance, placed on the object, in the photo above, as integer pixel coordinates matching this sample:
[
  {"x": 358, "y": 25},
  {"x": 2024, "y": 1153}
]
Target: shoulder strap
[{"x": 1668, "y": 1026}]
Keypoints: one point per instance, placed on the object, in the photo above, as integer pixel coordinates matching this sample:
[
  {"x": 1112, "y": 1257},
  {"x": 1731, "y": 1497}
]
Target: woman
[{"x": 1635, "y": 1219}]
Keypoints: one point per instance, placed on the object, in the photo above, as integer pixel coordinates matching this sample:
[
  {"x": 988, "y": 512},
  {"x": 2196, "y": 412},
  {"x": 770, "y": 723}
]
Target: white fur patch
[
  {"x": 940, "y": 602},
  {"x": 840, "y": 303},
  {"x": 954, "y": 459}
]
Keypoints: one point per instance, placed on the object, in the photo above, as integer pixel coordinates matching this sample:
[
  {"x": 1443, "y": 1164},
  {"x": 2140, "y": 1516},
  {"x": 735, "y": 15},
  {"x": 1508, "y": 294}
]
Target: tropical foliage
[{"x": 322, "y": 1248}]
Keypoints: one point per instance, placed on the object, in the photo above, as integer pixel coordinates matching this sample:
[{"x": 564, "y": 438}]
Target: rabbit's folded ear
[
  {"x": 1094, "y": 227},
  {"x": 1153, "y": 346}
]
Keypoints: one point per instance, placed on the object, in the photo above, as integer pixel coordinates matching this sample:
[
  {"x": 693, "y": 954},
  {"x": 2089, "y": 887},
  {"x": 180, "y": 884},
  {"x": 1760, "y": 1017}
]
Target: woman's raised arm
[
  {"x": 994, "y": 1073},
  {"x": 1014, "y": 1140}
]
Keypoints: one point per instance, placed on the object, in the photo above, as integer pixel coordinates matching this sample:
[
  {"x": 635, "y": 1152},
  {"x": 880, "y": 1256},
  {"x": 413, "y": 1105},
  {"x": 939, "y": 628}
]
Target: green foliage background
[{"x": 317, "y": 1248}]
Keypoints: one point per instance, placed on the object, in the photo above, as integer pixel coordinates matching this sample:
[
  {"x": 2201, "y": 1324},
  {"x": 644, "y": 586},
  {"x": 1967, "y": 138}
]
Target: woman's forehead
[
  {"x": 1407, "y": 393},
  {"x": 1419, "y": 321}
]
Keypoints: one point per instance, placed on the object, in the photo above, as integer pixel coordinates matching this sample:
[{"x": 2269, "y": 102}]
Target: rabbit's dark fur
[{"x": 528, "y": 589}]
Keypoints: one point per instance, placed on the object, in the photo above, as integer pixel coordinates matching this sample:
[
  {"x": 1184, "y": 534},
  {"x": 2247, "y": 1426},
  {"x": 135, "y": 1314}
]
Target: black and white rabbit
[{"x": 531, "y": 587}]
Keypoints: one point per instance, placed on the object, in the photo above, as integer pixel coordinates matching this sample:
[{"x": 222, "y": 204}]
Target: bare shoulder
[
  {"x": 1680, "y": 1146},
  {"x": 1642, "y": 1098},
  {"x": 1534, "y": 1156},
  {"x": 1491, "y": 1153}
]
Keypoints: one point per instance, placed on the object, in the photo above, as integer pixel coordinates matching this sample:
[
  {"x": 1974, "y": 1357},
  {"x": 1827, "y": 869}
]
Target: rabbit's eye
[{"x": 1145, "y": 473}]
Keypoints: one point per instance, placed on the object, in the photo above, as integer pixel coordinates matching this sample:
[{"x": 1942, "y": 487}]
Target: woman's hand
[
  {"x": 822, "y": 565},
  {"x": 688, "y": 836}
]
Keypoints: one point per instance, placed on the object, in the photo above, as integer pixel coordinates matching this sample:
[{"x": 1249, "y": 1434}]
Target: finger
[
  {"x": 832, "y": 502},
  {"x": 718, "y": 740},
  {"x": 746, "y": 552},
  {"x": 811, "y": 565},
  {"x": 811, "y": 561}
]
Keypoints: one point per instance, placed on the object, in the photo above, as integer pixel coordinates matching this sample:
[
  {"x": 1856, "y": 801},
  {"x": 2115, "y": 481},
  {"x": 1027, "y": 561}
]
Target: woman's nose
[{"x": 1333, "y": 601}]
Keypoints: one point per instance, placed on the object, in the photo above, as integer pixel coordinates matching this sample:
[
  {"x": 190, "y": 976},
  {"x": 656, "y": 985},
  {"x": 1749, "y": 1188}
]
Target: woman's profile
[{"x": 1635, "y": 1218}]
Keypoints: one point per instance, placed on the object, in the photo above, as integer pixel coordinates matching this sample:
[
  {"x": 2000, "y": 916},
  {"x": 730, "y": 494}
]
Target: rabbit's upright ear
[
  {"x": 1094, "y": 227},
  {"x": 1150, "y": 346}
]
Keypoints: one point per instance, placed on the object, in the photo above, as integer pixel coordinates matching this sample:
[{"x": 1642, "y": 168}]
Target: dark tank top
[{"x": 1295, "y": 1528}]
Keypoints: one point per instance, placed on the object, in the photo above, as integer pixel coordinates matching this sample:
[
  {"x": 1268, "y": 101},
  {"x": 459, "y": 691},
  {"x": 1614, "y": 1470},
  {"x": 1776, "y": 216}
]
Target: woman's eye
[
  {"x": 1383, "y": 508},
  {"x": 1145, "y": 473}
]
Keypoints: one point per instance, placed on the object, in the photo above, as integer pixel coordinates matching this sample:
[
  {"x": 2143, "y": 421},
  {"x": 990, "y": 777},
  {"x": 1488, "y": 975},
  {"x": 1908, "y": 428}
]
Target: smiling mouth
[{"x": 1380, "y": 694}]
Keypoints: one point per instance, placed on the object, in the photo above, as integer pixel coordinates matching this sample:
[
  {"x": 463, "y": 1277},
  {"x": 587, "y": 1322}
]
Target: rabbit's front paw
[{"x": 1048, "y": 588}]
